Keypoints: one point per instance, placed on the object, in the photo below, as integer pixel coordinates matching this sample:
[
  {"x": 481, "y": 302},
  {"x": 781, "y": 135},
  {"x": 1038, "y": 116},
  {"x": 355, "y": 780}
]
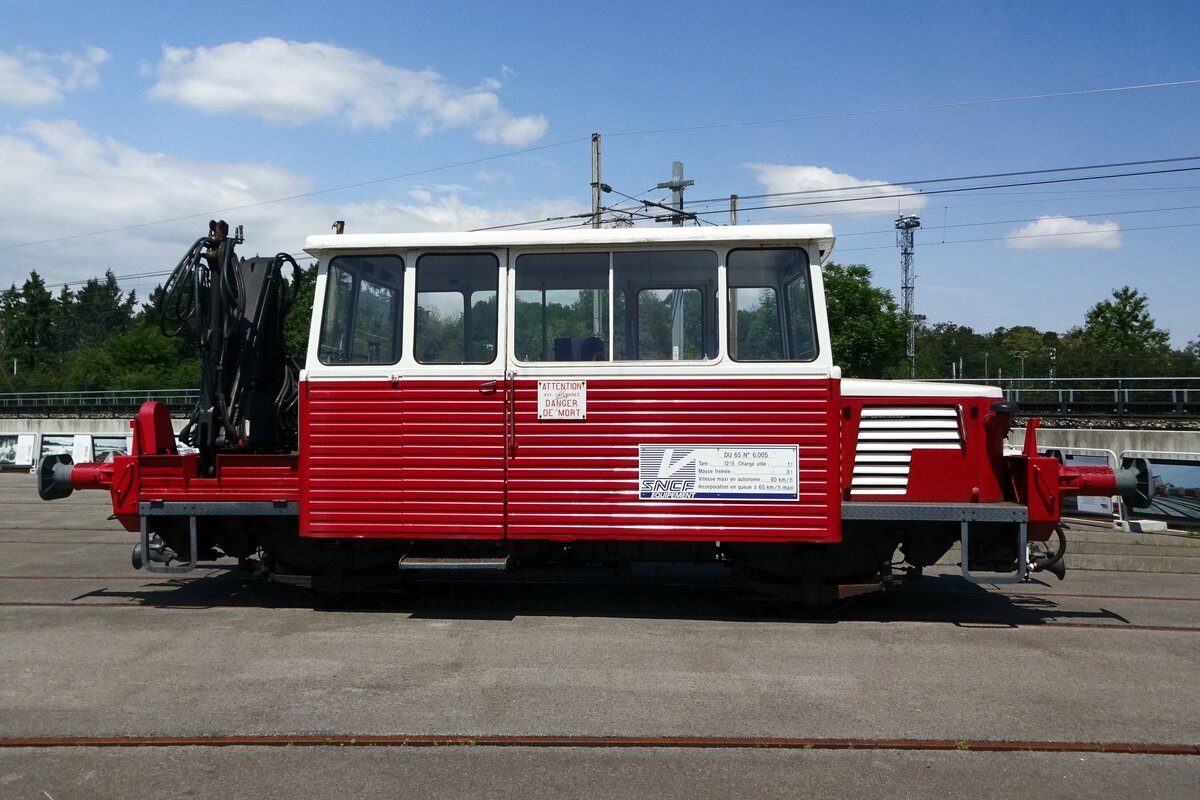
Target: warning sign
[{"x": 562, "y": 399}]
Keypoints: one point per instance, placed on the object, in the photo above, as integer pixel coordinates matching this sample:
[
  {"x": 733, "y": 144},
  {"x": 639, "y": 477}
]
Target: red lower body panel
[{"x": 470, "y": 459}]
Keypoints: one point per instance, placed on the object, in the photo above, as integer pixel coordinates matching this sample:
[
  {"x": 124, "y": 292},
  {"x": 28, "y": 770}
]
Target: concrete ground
[{"x": 88, "y": 647}]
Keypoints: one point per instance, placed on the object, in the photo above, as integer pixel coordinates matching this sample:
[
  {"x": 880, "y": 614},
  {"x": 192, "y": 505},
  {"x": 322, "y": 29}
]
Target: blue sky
[{"x": 123, "y": 115}]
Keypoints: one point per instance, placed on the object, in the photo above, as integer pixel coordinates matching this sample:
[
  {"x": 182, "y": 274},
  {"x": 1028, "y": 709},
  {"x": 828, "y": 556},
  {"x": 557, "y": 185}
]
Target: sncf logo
[{"x": 667, "y": 474}]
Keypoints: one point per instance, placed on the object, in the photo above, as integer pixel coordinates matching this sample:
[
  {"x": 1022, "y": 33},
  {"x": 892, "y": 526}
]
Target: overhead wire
[
  {"x": 904, "y": 109},
  {"x": 904, "y": 194},
  {"x": 988, "y": 176},
  {"x": 957, "y": 190},
  {"x": 299, "y": 196},
  {"x": 1019, "y": 236},
  {"x": 702, "y": 202},
  {"x": 576, "y": 140}
]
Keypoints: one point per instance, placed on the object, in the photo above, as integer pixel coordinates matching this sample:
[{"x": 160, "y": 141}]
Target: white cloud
[
  {"x": 448, "y": 213},
  {"x": 62, "y": 180},
  {"x": 1065, "y": 233},
  {"x": 820, "y": 185},
  {"x": 299, "y": 82},
  {"x": 31, "y": 78},
  {"x": 494, "y": 176}
]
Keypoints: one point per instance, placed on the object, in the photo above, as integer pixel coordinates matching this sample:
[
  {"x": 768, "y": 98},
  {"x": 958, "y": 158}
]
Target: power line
[
  {"x": 576, "y": 140},
  {"x": 903, "y": 194},
  {"x": 1032, "y": 219},
  {"x": 931, "y": 107},
  {"x": 305, "y": 256},
  {"x": 960, "y": 189},
  {"x": 955, "y": 190},
  {"x": 926, "y": 181},
  {"x": 485, "y": 159},
  {"x": 314, "y": 193},
  {"x": 1024, "y": 236}
]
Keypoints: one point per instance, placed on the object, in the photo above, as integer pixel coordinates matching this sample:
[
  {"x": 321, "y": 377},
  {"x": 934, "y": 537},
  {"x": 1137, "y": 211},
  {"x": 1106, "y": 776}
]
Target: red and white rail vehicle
[{"x": 561, "y": 399}]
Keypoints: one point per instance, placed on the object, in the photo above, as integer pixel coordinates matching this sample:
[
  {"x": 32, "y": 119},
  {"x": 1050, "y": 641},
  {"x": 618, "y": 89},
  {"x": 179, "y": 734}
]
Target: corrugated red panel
[
  {"x": 579, "y": 478},
  {"x": 428, "y": 459},
  {"x": 239, "y": 478},
  {"x": 414, "y": 459}
]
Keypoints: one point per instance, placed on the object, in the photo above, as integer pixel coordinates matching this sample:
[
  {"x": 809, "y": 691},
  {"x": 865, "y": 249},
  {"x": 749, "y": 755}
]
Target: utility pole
[
  {"x": 597, "y": 322},
  {"x": 733, "y": 198},
  {"x": 595, "y": 180},
  {"x": 905, "y": 225},
  {"x": 677, "y": 184},
  {"x": 1021, "y": 355}
]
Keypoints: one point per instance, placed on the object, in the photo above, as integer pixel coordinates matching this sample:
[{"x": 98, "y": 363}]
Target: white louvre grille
[{"x": 887, "y": 436}]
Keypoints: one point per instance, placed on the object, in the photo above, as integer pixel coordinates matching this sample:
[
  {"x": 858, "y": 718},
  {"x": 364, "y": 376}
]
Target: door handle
[
  {"x": 487, "y": 387},
  {"x": 510, "y": 412}
]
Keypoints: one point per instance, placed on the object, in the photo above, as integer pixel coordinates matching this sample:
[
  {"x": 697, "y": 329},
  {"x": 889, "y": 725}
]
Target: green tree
[
  {"x": 1118, "y": 338},
  {"x": 66, "y": 335},
  {"x": 27, "y": 318},
  {"x": 100, "y": 309},
  {"x": 946, "y": 349},
  {"x": 295, "y": 328},
  {"x": 1022, "y": 351},
  {"x": 867, "y": 327},
  {"x": 1124, "y": 323}
]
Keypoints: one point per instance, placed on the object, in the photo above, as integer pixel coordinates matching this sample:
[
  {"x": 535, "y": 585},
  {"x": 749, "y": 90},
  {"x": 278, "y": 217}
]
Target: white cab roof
[{"x": 822, "y": 235}]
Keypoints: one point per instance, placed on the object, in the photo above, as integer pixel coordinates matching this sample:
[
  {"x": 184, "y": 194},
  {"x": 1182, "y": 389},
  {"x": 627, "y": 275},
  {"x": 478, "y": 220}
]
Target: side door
[
  {"x": 455, "y": 396},
  {"x": 352, "y": 400},
  {"x": 403, "y": 411}
]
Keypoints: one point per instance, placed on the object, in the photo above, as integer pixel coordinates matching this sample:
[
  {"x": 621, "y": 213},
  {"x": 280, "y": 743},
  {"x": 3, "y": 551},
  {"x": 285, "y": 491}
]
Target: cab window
[
  {"x": 561, "y": 307},
  {"x": 360, "y": 323},
  {"x": 456, "y": 320},
  {"x": 664, "y": 305},
  {"x": 770, "y": 305}
]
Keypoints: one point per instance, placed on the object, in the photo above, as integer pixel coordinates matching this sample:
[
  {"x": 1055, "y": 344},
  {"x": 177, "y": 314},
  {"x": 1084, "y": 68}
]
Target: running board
[{"x": 410, "y": 562}]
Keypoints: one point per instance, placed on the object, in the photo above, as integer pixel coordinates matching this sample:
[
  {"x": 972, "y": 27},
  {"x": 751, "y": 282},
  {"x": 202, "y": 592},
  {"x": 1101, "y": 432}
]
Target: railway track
[
  {"x": 879, "y": 609},
  {"x": 590, "y": 742}
]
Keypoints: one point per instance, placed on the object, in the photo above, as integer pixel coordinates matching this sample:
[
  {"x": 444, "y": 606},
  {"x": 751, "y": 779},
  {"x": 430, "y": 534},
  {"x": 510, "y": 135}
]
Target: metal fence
[
  {"x": 1119, "y": 397},
  {"x": 92, "y": 404}
]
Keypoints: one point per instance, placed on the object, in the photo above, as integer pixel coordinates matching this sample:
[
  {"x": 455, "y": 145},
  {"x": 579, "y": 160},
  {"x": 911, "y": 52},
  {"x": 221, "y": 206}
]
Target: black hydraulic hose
[
  {"x": 215, "y": 293},
  {"x": 233, "y": 287},
  {"x": 289, "y": 390},
  {"x": 177, "y": 303}
]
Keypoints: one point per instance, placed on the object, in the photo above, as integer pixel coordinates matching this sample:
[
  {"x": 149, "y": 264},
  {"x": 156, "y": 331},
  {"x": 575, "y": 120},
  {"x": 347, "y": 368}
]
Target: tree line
[{"x": 99, "y": 337}]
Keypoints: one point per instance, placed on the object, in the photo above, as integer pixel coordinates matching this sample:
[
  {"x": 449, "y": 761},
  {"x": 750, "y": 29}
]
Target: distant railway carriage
[{"x": 559, "y": 399}]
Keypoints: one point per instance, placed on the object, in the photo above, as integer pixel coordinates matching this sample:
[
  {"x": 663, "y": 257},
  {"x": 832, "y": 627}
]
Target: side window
[
  {"x": 756, "y": 332},
  {"x": 561, "y": 307},
  {"x": 360, "y": 323},
  {"x": 665, "y": 307},
  {"x": 770, "y": 306},
  {"x": 456, "y": 319}
]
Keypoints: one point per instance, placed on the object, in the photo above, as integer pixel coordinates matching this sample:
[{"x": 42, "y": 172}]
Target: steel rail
[
  {"x": 141, "y": 578},
  {"x": 587, "y": 742},
  {"x": 1046, "y": 595},
  {"x": 60, "y": 542},
  {"x": 997, "y": 623}
]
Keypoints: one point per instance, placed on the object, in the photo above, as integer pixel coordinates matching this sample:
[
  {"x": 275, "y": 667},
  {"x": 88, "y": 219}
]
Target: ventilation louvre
[{"x": 887, "y": 436}]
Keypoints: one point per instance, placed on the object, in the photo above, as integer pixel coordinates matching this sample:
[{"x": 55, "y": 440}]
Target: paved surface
[
  {"x": 256, "y": 773},
  {"x": 88, "y": 647}
]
